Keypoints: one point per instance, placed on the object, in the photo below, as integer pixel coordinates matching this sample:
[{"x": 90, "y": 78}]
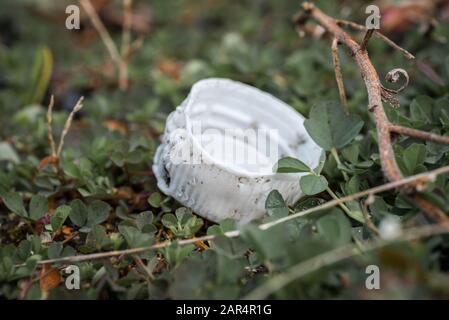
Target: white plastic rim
[{"x": 215, "y": 187}]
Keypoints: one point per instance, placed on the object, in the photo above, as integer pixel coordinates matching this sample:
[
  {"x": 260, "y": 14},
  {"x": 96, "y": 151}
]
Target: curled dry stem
[{"x": 388, "y": 95}]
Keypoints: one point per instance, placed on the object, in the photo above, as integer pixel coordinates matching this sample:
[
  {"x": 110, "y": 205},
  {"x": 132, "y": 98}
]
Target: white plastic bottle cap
[{"x": 219, "y": 148}]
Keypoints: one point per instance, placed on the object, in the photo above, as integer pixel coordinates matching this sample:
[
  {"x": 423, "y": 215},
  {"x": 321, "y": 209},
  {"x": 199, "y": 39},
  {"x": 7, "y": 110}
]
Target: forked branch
[
  {"x": 120, "y": 58},
  {"x": 377, "y": 94}
]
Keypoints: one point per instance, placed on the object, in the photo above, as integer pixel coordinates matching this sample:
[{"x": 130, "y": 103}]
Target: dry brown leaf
[
  {"x": 115, "y": 125},
  {"x": 67, "y": 231},
  {"x": 170, "y": 68},
  {"x": 47, "y": 161},
  {"x": 202, "y": 245},
  {"x": 50, "y": 279},
  {"x": 124, "y": 193}
]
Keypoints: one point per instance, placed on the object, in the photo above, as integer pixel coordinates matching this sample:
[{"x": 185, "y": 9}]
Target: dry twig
[
  {"x": 376, "y": 33},
  {"x": 338, "y": 75},
  {"x": 366, "y": 39},
  {"x": 126, "y": 43},
  {"x": 51, "y": 141},
  {"x": 78, "y": 106},
  {"x": 102, "y": 31},
  {"x": 56, "y": 153}
]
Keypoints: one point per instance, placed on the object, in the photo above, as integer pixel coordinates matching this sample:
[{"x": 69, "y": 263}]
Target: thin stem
[
  {"x": 143, "y": 267},
  {"x": 78, "y": 106},
  {"x": 366, "y": 39},
  {"x": 338, "y": 75},
  {"x": 102, "y": 31},
  {"x": 377, "y": 34},
  {"x": 127, "y": 24},
  {"x": 414, "y": 133},
  {"x": 50, "y": 126},
  {"x": 427, "y": 176},
  {"x": 369, "y": 223},
  {"x": 235, "y": 233},
  {"x": 344, "y": 207},
  {"x": 434, "y": 212},
  {"x": 126, "y": 41},
  {"x": 334, "y": 153}
]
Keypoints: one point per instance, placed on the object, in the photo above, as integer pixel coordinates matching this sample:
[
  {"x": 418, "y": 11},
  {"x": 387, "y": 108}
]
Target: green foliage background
[{"x": 106, "y": 196}]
